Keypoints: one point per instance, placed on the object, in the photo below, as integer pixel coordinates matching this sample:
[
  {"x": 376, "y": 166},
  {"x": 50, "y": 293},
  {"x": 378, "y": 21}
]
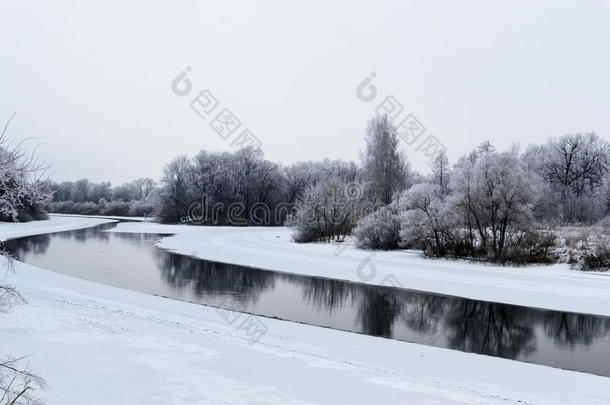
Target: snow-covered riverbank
[
  {"x": 11, "y": 230},
  {"x": 116, "y": 217},
  {"x": 552, "y": 287},
  {"x": 97, "y": 344}
]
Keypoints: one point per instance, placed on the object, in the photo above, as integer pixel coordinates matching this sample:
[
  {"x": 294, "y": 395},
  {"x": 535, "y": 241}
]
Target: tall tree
[
  {"x": 577, "y": 163},
  {"x": 174, "y": 198},
  {"x": 441, "y": 173},
  {"x": 385, "y": 168},
  {"x": 495, "y": 194}
]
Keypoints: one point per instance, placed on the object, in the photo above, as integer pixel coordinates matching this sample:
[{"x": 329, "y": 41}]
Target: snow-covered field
[
  {"x": 97, "y": 344},
  {"x": 552, "y": 287}
]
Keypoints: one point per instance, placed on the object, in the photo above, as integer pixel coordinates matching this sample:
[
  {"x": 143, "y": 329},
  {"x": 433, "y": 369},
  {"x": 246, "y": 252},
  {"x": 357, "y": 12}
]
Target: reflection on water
[{"x": 574, "y": 341}]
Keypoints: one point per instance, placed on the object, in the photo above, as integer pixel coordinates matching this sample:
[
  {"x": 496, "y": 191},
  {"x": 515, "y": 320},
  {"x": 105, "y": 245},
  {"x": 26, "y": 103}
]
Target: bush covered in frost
[{"x": 380, "y": 229}]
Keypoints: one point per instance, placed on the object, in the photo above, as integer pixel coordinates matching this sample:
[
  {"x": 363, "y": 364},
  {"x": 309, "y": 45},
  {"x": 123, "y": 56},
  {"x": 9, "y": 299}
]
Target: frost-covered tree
[
  {"x": 18, "y": 383},
  {"x": 258, "y": 180},
  {"x": 174, "y": 196},
  {"x": 380, "y": 229},
  {"x": 142, "y": 188},
  {"x": 428, "y": 221},
  {"x": 495, "y": 195},
  {"x": 577, "y": 163},
  {"x": 441, "y": 173},
  {"x": 385, "y": 169},
  {"x": 326, "y": 211},
  {"x": 80, "y": 191},
  {"x": 299, "y": 176},
  {"x": 240, "y": 188},
  {"x": 100, "y": 190},
  {"x": 575, "y": 167},
  {"x": 484, "y": 148},
  {"x": 23, "y": 191}
]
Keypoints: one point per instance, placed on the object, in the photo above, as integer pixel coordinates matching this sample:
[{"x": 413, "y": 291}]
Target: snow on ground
[
  {"x": 553, "y": 287},
  {"x": 10, "y": 230}
]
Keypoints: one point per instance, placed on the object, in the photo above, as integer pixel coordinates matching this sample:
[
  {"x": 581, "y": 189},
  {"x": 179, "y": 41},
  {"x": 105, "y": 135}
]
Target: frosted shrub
[
  {"x": 530, "y": 246},
  {"x": 86, "y": 208},
  {"x": 597, "y": 256},
  {"x": 428, "y": 222},
  {"x": 324, "y": 212},
  {"x": 380, "y": 229},
  {"x": 116, "y": 208},
  {"x": 141, "y": 208}
]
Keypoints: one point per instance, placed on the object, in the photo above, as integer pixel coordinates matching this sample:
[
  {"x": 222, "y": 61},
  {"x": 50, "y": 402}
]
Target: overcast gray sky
[{"x": 91, "y": 81}]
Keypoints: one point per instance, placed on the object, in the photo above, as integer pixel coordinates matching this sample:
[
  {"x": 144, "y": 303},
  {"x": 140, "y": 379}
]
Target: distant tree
[
  {"x": 299, "y": 176},
  {"x": 577, "y": 163},
  {"x": 441, "y": 172},
  {"x": 80, "y": 191},
  {"x": 142, "y": 188},
  {"x": 240, "y": 188},
  {"x": 100, "y": 190},
  {"x": 123, "y": 192},
  {"x": 485, "y": 148},
  {"x": 174, "y": 198},
  {"x": 326, "y": 211},
  {"x": 384, "y": 168},
  {"x": 495, "y": 195},
  {"x": 257, "y": 179},
  {"x": 576, "y": 168},
  {"x": 62, "y": 191}
]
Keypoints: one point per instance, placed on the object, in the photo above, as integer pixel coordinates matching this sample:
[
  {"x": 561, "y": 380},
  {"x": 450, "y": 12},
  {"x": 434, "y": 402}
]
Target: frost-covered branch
[
  {"x": 18, "y": 383},
  {"x": 22, "y": 178}
]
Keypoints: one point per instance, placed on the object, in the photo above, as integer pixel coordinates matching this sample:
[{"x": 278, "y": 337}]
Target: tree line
[
  {"x": 489, "y": 204},
  {"x": 500, "y": 206},
  {"x": 134, "y": 199}
]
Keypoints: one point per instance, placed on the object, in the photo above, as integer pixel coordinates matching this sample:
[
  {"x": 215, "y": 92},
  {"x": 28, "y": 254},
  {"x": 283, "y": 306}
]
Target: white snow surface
[
  {"x": 556, "y": 287},
  {"x": 11, "y": 230},
  {"x": 137, "y": 219},
  {"x": 97, "y": 344}
]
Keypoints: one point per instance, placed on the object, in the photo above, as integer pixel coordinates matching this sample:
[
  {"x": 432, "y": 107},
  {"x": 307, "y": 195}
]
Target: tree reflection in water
[
  {"x": 378, "y": 310},
  {"x": 490, "y": 328},
  {"x": 325, "y": 294},
  {"x": 213, "y": 279},
  {"x": 423, "y": 312},
  {"x": 569, "y": 329},
  {"x": 35, "y": 245}
]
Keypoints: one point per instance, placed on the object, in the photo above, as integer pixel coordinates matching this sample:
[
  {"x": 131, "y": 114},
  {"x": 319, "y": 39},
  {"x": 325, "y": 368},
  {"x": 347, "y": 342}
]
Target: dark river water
[{"x": 568, "y": 340}]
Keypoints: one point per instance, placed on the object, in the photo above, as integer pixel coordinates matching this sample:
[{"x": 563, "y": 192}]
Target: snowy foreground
[
  {"x": 97, "y": 344},
  {"x": 552, "y": 287}
]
